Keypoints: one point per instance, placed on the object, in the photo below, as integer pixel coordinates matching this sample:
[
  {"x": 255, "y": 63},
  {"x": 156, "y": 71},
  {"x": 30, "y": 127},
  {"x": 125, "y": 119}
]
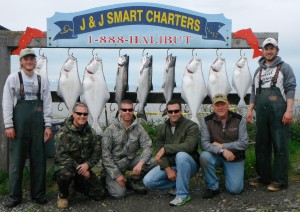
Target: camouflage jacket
[
  {"x": 120, "y": 146},
  {"x": 75, "y": 146}
]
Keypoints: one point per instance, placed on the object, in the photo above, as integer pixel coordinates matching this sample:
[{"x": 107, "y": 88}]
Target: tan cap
[
  {"x": 25, "y": 52},
  {"x": 219, "y": 98},
  {"x": 270, "y": 41}
]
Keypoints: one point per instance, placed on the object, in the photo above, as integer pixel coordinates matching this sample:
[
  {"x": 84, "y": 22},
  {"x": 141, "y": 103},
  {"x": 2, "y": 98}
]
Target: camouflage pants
[{"x": 91, "y": 187}]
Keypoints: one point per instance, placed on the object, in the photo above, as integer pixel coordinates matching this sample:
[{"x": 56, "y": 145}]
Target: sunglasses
[
  {"x": 127, "y": 109},
  {"x": 80, "y": 114},
  {"x": 173, "y": 111}
]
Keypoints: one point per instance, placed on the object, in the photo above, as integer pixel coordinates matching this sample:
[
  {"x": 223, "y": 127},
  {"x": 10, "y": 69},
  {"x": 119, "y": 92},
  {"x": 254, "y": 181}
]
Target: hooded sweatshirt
[{"x": 286, "y": 81}]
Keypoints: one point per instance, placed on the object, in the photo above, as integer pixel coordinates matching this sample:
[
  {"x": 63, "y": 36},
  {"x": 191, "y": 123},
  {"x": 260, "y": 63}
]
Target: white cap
[
  {"x": 270, "y": 41},
  {"x": 25, "y": 52}
]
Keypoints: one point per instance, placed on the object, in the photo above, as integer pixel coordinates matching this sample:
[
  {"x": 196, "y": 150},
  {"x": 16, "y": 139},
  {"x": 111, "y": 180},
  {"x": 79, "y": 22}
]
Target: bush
[
  {"x": 295, "y": 131},
  {"x": 251, "y": 128}
]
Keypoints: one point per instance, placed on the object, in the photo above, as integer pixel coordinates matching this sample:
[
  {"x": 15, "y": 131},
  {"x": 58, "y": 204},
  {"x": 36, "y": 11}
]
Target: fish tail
[
  {"x": 141, "y": 114},
  {"x": 195, "y": 119},
  {"x": 242, "y": 103},
  {"x": 97, "y": 127},
  {"x": 70, "y": 112},
  {"x": 164, "y": 112}
]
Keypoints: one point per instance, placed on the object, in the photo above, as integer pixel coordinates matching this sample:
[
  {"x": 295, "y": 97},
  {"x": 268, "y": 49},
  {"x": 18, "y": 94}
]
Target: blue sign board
[{"x": 139, "y": 25}]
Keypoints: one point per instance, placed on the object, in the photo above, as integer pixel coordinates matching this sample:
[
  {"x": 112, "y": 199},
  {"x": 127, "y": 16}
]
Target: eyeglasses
[
  {"x": 80, "y": 114},
  {"x": 127, "y": 109},
  {"x": 173, "y": 111}
]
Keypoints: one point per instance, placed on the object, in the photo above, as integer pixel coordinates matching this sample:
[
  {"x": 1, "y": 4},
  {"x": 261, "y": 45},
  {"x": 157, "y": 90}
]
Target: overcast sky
[{"x": 260, "y": 15}]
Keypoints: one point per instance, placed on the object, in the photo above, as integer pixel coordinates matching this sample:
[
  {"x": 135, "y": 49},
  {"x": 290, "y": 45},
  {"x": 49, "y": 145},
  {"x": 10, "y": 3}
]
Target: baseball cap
[
  {"x": 25, "y": 52},
  {"x": 270, "y": 41},
  {"x": 219, "y": 98}
]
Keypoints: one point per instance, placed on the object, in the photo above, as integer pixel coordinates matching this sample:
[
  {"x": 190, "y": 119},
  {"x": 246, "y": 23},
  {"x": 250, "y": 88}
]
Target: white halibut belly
[
  {"x": 69, "y": 89},
  {"x": 95, "y": 95},
  {"x": 194, "y": 92}
]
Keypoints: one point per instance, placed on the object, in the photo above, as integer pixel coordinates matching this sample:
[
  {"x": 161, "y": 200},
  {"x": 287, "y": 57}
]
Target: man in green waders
[
  {"x": 27, "y": 110},
  {"x": 272, "y": 96}
]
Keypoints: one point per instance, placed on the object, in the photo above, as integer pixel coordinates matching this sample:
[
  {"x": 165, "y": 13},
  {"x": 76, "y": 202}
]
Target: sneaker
[
  {"x": 255, "y": 182},
  {"x": 274, "y": 187},
  {"x": 172, "y": 192},
  {"x": 62, "y": 203},
  {"x": 209, "y": 193},
  {"x": 178, "y": 201}
]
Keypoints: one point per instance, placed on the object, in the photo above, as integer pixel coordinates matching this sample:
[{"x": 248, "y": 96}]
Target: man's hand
[
  {"x": 47, "y": 134},
  {"x": 249, "y": 117},
  {"x": 159, "y": 155},
  {"x": 10, "y": 133},
  {"x": 87, "y": 174},
  {"x": 121, "y": 180},
  {"x": 138, "y": 168},
  {"x": 228, "y": 155},
  {"x": 287, "y": 117},
  {"x": 217, "y": 144},
  {"x": 171, "y": 173},
  {"x": 82, "y": 168}
]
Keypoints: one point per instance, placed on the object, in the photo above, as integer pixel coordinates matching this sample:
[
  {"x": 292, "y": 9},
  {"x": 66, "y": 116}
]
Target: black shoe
[
  {"x": 41, "y": 201},
  {"x": 136, "y": 185},
  {"x": 209, "y": 193},
  {"x": 11, "y": 204}
]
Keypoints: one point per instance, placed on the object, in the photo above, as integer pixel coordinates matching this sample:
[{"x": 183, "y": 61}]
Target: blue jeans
[
  {"x": 186, "y": 167},
  {"x": 233, "y": 171}
]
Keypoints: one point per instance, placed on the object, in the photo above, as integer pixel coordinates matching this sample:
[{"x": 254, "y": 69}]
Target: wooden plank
[
  {"x": 5, "y": 71},
  {"x": 158, "y": 98},
  {"x": 261, "y": 36}
]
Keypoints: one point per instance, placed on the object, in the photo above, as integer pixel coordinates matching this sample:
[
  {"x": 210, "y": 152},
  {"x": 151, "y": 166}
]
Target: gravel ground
[{"x": 251, "y": 199}]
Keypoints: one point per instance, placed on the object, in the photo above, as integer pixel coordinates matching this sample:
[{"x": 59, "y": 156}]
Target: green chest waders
[
  {"x": 271, "y": 134},
  {"x": 28, "y": 122}
]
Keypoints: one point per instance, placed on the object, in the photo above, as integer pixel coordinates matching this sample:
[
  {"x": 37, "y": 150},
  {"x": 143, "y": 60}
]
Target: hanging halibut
[
  {"x": 95, "y": 92},
  {"x": 241, "y": 80},
  {"x": 144, "y": 85},
  {"x": 121, "y": 79},
  {"x": 193, "y": 89},
  {"x": 218, "y": 80},
  {"x": 169, "y": 77},
  {"x": 41, "y": 67},
  {"x": 69, "y": 85}
]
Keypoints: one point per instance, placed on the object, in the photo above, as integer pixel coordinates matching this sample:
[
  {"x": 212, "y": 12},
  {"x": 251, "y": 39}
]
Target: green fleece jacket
[{"x": 184, "y": 139}]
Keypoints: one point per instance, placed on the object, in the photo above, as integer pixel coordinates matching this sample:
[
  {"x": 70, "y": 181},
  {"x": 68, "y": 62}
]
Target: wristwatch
[{"x": 221, "y": 150}]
